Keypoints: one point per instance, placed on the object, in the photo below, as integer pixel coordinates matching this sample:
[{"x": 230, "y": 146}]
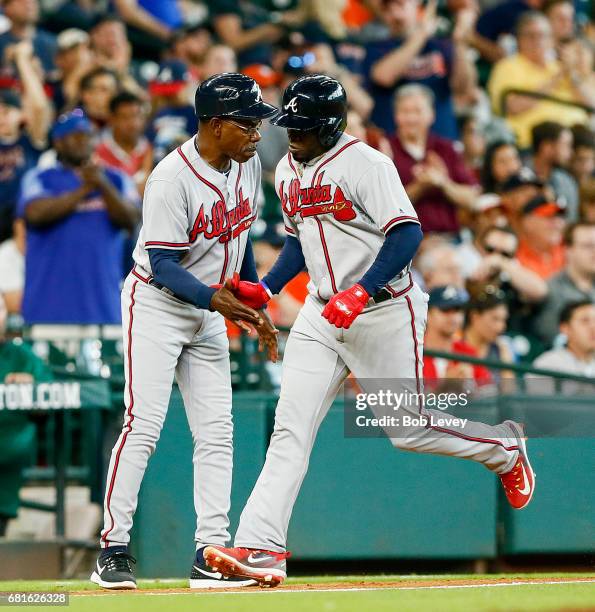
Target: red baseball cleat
[
  {"x": 519, "y": 483},
  {"x": 264, "y": 566}
]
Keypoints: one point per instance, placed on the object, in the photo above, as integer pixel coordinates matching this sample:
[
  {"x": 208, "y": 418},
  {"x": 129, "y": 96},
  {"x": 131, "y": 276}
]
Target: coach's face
[
  {"x": 304, "y": 145},
  {"x": 238, "y": 138}
]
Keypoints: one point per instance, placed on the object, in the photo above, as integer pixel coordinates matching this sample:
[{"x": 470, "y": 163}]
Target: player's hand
[
  {"x": 251, "y": 294},
  {"x": 226, "y": 303},
  {"x": 343, "y": 308},
  {"x": 267, "y": 336}
]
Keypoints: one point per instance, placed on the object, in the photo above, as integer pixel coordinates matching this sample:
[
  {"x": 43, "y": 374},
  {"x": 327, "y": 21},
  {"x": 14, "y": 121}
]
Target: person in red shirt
[
  {"x": 124, "y": 145},
  {"x": 433, "y": 172},
  {"x": 446, "y": 315}
]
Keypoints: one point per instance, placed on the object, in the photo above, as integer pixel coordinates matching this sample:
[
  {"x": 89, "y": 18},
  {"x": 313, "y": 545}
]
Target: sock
[{"x": 112, "y": 549}]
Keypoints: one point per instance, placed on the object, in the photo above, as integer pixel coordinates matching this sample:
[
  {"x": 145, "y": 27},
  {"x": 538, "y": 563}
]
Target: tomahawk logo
[{"x": 292, "y": 104}]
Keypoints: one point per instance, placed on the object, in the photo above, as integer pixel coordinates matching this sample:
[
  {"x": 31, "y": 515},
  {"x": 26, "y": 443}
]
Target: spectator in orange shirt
[{"x": 541, "y": 229}]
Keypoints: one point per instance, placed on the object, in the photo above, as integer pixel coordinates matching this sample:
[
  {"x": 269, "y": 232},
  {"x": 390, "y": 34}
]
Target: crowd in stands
[{"x": 486, "y": 107}]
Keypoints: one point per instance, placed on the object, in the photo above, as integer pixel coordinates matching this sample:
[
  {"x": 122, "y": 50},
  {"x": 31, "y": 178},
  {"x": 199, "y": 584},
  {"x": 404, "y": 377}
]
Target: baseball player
[
  {"x": 199, "y": 204},
  {"x": 349, "y": 220}
]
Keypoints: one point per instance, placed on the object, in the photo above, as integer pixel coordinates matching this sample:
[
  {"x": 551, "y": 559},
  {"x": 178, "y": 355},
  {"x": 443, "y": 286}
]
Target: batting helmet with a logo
[
  {"x": 231, "y": 95},
  {"x": 315, "y": 102}
]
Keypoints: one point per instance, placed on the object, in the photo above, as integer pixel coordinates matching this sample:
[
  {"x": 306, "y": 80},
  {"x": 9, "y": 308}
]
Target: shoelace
[{"x": 119, "y": 562}]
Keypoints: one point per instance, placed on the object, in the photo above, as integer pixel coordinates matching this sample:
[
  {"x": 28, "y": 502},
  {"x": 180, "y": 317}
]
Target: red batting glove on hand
[
  {"x": 343, "y": 308},
  {"x": 252, "y": 294}
]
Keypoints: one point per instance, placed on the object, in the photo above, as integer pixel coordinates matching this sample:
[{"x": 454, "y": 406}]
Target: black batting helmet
[
  {"x": 315, "y": 102},
  {"x": 231, "y": 95}
]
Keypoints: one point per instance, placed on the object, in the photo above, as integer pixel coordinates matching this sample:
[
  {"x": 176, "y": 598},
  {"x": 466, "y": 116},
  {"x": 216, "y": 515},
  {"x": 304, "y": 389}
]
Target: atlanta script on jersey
[
  {"x": 340, "y": 206},
  {"x": 190, "y": 206}
]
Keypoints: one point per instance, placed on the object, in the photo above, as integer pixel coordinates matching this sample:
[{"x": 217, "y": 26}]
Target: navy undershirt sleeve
[
  {"x": 288, "y": 265},
  {"x": 167, "y": 271},
  {"x": 248, "y": 269},
  {"x": 398, "y": 249}
]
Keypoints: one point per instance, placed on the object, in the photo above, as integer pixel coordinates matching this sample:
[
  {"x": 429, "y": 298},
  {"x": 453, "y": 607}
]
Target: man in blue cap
[{"x": 75, "y": 213}]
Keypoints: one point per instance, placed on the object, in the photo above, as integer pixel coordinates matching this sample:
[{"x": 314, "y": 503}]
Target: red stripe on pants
[{"x": 129, "y": 414}]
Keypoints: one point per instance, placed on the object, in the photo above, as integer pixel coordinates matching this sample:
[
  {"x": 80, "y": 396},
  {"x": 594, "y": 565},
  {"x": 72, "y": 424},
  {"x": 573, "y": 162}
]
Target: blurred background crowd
[{"x": 486, "y": 107}]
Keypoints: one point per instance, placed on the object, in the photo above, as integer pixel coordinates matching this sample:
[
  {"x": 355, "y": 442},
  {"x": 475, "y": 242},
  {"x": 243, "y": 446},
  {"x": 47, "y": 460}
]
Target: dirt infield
[{"x": 355, "y": 585}]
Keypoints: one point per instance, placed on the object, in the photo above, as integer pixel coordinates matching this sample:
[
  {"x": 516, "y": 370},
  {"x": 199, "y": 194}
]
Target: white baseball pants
[
  {"x": 384, "y": 342},
  {"x": 163, "y": 337}
]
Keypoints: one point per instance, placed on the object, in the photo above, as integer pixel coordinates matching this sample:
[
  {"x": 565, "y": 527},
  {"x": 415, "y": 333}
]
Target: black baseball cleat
[
  {"x": 204, "y": 577},
  {"x": 113, "y": 571}
]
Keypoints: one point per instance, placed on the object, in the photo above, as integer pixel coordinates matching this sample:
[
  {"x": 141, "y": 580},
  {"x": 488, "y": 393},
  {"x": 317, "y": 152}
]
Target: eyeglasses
[
  {"x": 491, "y": 249},
  {"x": 250, "y": 130}
]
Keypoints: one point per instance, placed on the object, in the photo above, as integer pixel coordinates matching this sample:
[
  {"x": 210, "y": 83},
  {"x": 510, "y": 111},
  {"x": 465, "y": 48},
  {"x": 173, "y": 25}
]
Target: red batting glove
[
  {"x": 343, "y": 307},
  {"x": 252, "y": 294}
]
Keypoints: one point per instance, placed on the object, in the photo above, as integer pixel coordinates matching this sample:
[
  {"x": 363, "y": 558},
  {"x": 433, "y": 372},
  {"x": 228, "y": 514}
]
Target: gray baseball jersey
[
  {"x": 205, "y": 214},
  {"x": 340, "y": 207},
  {"x": 189, "y": 206}
]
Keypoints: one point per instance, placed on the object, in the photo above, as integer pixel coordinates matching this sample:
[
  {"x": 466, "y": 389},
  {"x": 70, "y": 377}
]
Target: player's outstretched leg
[
  {"x": 519, "y": 483},
  {"x": 202, "y": 576},
  {"x": 268, "y": 568},
  {"x": 500, "y": 448},
  {"x": 113, "y": 569}
]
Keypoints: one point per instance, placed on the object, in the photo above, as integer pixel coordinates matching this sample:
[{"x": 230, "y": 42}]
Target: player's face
[
  {"x": 239, "y": 137},
  {"x": 304, "y": 145}
]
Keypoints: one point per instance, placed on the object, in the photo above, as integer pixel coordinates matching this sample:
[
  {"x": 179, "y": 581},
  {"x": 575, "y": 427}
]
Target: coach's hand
[
  {"x": 267, "y": 336},
  {"x": 226, "y": 303},
  {"x": 343, "y": 308}
]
